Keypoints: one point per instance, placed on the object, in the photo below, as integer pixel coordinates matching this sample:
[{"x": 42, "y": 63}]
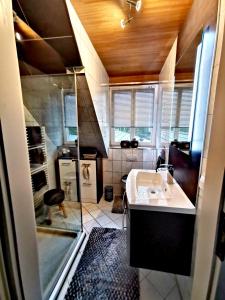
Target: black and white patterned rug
[{"x": 103, "y": 272}]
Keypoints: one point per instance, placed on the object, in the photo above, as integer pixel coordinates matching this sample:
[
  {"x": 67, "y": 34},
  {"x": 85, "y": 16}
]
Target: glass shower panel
[{"x": 50, "y": 109}]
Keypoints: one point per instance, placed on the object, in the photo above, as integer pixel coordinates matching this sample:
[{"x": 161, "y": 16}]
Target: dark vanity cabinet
[{"x": 160, "y": 240}]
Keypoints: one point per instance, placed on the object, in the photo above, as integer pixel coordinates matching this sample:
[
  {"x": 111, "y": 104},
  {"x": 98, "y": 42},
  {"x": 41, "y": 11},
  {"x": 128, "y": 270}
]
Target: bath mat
[
  {"x": 103, "y": 272},
  {"x": 118, "y": 207}
]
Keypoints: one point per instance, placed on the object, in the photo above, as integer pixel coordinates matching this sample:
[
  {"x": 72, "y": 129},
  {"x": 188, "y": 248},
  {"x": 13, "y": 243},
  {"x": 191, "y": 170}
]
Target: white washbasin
[
  {"x": 149, "y": 190},
  {"x": 149, "y": 185}
]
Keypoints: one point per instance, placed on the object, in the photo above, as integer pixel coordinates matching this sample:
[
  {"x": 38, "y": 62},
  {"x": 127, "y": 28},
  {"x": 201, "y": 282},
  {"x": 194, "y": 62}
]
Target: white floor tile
[
  {"x": 103, "y": 220},
  {"x": 91, "y": 207},
  {"x": 185, "y": 284},
  {"x": 84, "y": 211},
  {"x": 174, "y": 294},
  {"x": 148, "y": 291},
  {"x": 143, "y": 273},
  {"x": 97, "y": 213},
  {"x": 106, "y": 209},
  {"x": 164, "y": 282},
  {"x": 89, "y": 225},
  {"x": 111, "y": 224},
  {"x": 104, "y": 203},
  {"x": 87, "y": 218},
  {"x": 113, "y": 216},
  {"x": 119, "y": 221},
  {"x": 84, "y": 204}
]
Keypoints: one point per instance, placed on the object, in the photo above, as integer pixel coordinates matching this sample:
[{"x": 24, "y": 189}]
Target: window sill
[{"x": 140, "y": 147}]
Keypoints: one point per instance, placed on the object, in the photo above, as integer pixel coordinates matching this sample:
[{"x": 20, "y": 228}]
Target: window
[
  {"x": 133, "y": 112},
  {"x": 70, "y": 122},
  {"x": 175, "y": 114}
]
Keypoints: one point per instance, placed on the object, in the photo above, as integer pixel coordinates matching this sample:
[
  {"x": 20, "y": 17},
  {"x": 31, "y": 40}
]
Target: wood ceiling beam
[{"x": 133, "y": 79}]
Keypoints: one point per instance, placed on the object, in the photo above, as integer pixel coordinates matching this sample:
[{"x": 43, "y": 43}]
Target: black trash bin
[{"x": 108, "y": 193}]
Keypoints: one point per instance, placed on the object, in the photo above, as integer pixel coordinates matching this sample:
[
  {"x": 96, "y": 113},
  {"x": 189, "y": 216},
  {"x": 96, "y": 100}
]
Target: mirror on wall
[
  {"x": 183, "y": 98},
  {"x": 189, "y": 110}
]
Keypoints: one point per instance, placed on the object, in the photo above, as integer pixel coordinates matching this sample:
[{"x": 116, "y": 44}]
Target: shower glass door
[{"x": 50, "y": 109}]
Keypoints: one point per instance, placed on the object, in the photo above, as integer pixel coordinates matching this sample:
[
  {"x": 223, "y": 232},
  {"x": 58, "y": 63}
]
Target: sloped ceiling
[
  {"x": 142, "y": 47},
  {"x": 47, "y": 42}
]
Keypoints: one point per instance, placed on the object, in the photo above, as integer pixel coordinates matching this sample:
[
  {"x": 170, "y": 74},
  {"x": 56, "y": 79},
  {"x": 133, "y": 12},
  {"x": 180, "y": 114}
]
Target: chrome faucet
[{"x": 170, "y": 168}]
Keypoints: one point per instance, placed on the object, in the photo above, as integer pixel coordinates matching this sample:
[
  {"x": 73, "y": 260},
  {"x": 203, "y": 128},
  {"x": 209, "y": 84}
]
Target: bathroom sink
[
  {"x": 148, "y": 190},
  {"x": 149, "y": 185}
]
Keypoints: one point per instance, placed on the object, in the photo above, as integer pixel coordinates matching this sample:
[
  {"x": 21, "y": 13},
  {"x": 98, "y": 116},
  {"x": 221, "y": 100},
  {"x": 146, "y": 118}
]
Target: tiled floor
[{"x": 154, "y": 285}]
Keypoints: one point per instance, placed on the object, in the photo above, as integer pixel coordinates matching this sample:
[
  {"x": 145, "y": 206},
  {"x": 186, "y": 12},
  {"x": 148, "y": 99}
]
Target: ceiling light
[
  {"x": 18, "y": 36},
  {"x": 136, "y": 3},
  {"x": 124, "y": 22}
]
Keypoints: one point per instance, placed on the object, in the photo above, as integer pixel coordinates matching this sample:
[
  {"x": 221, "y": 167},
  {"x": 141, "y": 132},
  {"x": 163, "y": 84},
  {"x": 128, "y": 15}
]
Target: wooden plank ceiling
[{"x": 142, "y": 47}]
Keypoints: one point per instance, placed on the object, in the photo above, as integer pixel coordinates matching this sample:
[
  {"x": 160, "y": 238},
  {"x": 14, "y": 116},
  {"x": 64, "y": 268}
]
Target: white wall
[
  {"x": 95, "y": 72},
  {"x": 213, "y": 165},
  {"x": 13, "y": 127}
]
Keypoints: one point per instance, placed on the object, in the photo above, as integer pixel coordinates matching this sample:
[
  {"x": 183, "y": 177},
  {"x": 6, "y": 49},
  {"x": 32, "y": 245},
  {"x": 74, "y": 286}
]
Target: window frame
[{"x": 132, "y": 128}]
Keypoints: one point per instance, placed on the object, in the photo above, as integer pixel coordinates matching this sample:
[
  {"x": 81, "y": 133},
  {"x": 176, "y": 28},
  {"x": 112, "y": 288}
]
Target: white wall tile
[
  {"x": 137, "y": 165},
  {"x": 116, "y": 166},
  {"x": 107, "y": 165},
  {"x": 107, "y": 177},
  {"x": 147, "y": 154},
  {"x": 148, "y": 165},
  {"x": 138, "y": 153},
  {"x": 116, "y": 154},
  {"x": 140, "y": 159},
  {"x": 126, "y": 153},
  {"x": 117, "y": 177},
  {"x": 126, "y": 166}
]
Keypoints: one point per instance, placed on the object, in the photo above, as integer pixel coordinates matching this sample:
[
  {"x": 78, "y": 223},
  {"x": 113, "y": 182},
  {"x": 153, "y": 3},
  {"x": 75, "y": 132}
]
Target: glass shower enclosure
[{"x": 50, "y": 109}]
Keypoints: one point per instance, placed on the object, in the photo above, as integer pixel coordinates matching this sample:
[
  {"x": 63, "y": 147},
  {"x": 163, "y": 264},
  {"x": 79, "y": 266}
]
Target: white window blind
[
  {"x": 122, "y": 107},
  {"x": 185, "y": 98},
  {"x": 133, "y": 115},
  {"x": 144, "y": 108},
  {"x": 175, "y": 114},
  {"x": 167, "y": 115},
  {"x": 70, "y": 111}
]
